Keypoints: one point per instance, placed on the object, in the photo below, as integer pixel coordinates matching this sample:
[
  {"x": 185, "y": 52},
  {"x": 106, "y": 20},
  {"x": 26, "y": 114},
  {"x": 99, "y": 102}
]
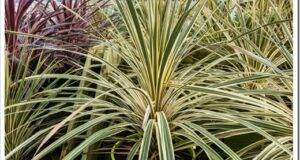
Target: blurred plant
[
  {"x": 38, "y": 23},
  {"x": 24, "y": 114}
]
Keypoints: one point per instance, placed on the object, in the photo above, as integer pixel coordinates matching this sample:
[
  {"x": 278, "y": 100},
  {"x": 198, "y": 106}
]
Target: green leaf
[
  {"x": 95, "y": 137},
  {"x": 146, "y": 141},
  {"x": 164, "y": 138},
  {"x": 190, "y": 134}
]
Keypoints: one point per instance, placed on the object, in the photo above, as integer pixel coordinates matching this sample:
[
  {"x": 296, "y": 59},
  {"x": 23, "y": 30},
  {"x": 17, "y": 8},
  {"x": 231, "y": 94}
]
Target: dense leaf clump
[{"x": 167, "y": 79}]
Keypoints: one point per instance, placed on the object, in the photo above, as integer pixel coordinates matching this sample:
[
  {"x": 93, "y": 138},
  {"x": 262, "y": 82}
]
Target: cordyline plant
[
  {"x": 50, "y": 23},
  {"x": 22, "y": 117},
  {"x": 137, "y": 96}
]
